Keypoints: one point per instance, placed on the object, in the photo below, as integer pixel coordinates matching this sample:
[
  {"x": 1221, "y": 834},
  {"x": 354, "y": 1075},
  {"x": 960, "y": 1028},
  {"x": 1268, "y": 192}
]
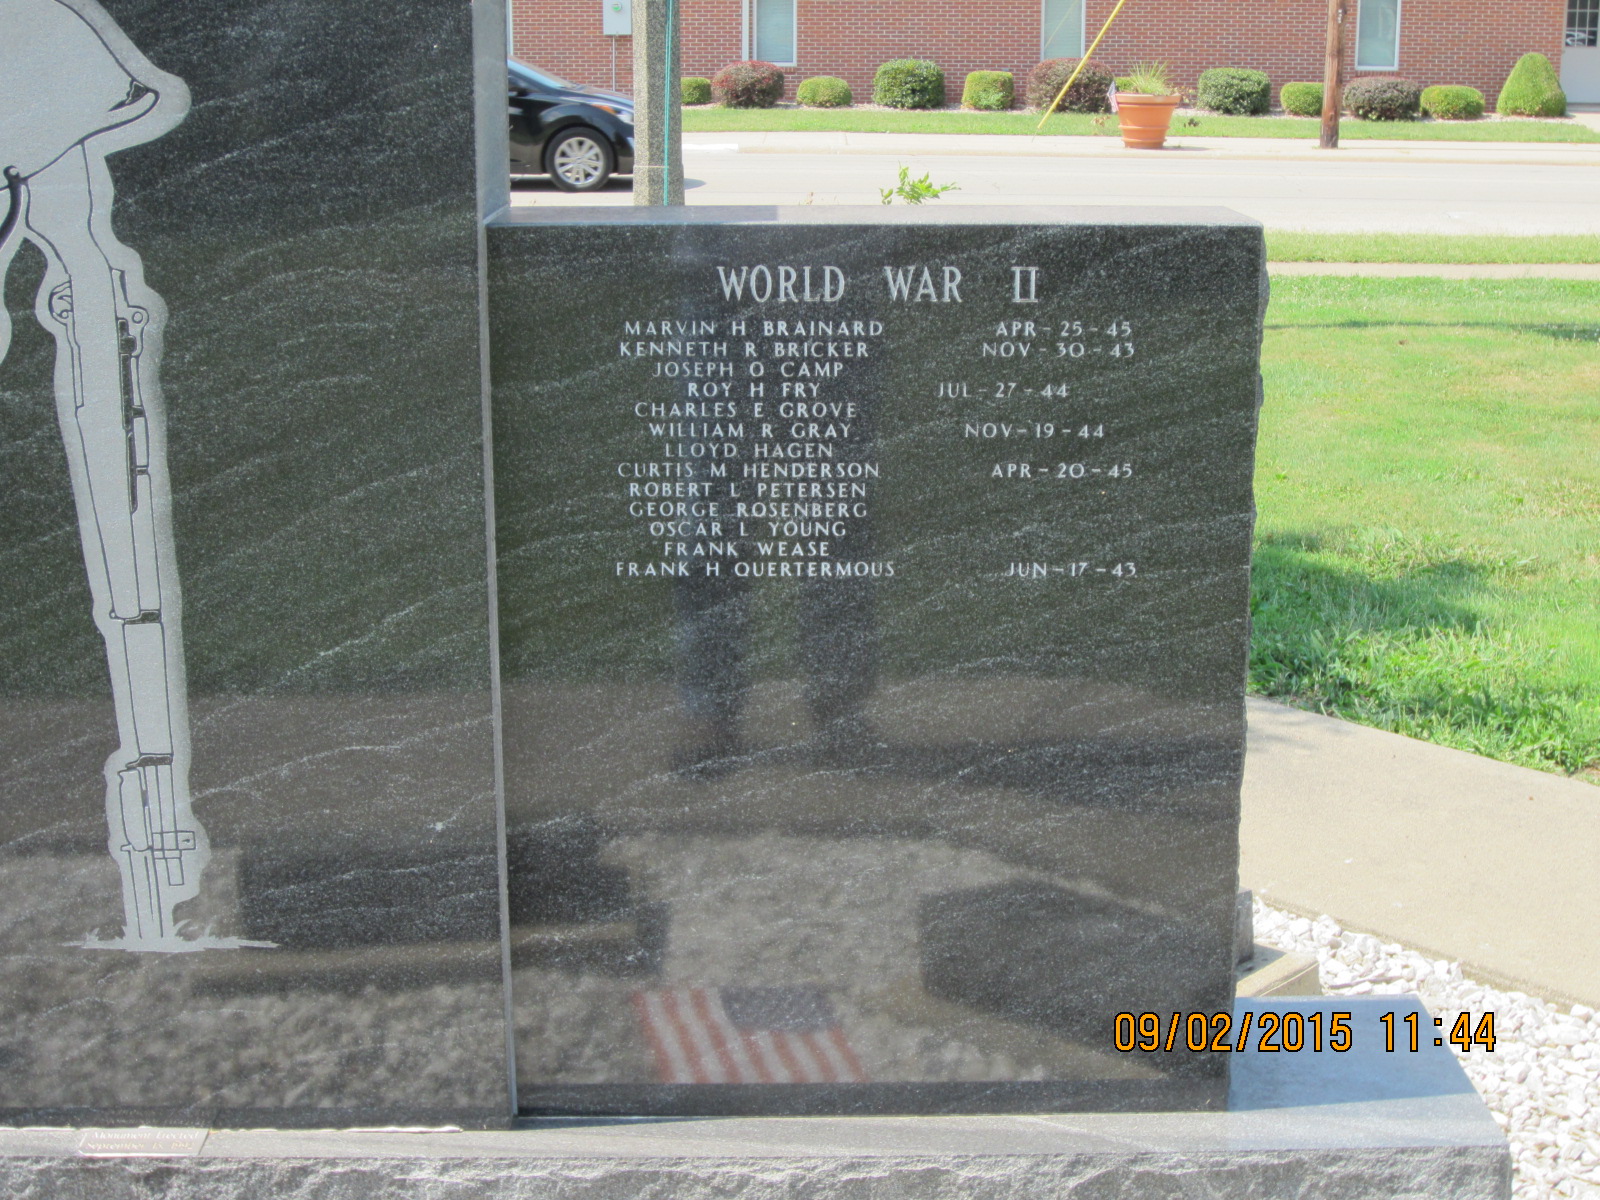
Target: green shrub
[
  {"x": 824, "y": 91},
  {"x": 1302, "y": 99},
  {"x": 1532, "y": 90},
  {"x": 1236, "y": 91},
  {"x": 908, "y": 83},
  {"x": 1088, "y": 92},
  {"x": 1384, "y": 99},
  {"x": 748, "y": 85},
  {"x": 989, "y": 91},
  {"x": 695, "y": 90},
  {"x": 1452, "y": 103}
]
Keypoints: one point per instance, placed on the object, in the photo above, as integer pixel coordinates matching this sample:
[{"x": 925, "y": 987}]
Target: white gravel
[{"x": 1542, "y": 1082}]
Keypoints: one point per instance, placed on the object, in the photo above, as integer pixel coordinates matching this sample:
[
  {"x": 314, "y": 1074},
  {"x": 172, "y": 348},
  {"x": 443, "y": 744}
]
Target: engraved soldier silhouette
[{"x": 74, "y": 89}]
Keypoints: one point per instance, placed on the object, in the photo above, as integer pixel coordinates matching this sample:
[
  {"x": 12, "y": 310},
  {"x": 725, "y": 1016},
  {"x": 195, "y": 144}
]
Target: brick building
[{"x": 1472, "y": 42}]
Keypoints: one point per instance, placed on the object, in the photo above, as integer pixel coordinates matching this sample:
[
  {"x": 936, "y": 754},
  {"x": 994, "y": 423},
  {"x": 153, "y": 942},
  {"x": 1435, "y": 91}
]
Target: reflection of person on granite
[
  {"x": 74, "y": 89},
  {"x": 713, "y": 615},
  {"x": 837, "y": 644},
  {"x": 837, "y": 636}
]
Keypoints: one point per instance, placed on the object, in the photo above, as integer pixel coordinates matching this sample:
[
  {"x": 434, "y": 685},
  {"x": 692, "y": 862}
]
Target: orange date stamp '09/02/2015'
[{"x": 1291, "y": 1032}]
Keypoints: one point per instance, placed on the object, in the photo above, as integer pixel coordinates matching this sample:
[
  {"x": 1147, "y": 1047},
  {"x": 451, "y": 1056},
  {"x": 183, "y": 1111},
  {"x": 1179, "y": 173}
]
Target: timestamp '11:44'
[{"x": 1463, "y": 1033}]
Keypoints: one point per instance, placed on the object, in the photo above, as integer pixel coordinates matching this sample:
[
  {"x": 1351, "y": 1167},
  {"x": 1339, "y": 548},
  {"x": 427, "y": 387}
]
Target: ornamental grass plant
[{"x": 1147, "y": 79}]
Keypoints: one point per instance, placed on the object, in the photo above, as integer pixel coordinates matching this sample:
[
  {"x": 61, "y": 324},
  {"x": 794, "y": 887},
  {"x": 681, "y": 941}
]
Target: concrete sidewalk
[
  {"x": 1449, "y": 854},
  {"x": 1058, "y": 146},
  {"x": 1395, "y": 187}
]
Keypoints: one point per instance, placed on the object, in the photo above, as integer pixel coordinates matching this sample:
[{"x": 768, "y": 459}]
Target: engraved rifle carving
[{"x": 74, "y": 89}]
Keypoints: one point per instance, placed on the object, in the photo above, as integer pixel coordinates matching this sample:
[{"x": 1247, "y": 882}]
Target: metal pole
[
  {"x": 657, "y": 104},
  {"x": 1331, "y": 70}
]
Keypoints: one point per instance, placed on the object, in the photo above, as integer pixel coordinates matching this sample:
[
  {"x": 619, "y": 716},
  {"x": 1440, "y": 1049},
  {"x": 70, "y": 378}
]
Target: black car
[{"x": 579, "y": 136}]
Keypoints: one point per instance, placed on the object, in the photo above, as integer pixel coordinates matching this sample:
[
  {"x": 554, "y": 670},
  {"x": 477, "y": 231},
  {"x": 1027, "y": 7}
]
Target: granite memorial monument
[
  {"x": 873, "y": 597},
  {"x": 810, "y": 681}
]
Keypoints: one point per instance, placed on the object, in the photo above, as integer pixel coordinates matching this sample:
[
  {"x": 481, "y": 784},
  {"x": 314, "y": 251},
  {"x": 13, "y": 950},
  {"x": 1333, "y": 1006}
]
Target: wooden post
[{"x": 1331, "y": 98}]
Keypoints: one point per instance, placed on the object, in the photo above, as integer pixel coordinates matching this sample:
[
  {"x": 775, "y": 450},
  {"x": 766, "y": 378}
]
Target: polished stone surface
[
  {"x": 869, "y": 751},
  {"x": 1361, "y": 1125},
  {"x": 311, "y": 224}
]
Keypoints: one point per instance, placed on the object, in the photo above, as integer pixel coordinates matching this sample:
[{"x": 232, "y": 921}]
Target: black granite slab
[
  {"x": 311, "y": 224},
  {"x": 871, "y": 755}
]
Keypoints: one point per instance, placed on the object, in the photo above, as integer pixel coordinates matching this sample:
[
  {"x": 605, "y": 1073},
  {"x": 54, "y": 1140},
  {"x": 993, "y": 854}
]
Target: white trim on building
[
  {"x": 1378, "y": 35},
  {"x": 1060, "y": 35}
]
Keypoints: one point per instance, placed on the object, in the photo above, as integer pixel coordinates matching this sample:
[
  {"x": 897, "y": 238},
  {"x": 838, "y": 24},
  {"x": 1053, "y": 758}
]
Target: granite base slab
[{"x": 1365, "y": 1123}]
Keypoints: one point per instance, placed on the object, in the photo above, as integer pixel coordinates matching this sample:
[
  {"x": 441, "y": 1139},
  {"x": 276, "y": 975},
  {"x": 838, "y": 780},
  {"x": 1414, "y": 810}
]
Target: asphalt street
[{"x": 1400, "y": 187}]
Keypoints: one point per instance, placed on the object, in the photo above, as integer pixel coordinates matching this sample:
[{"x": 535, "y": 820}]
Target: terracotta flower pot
[{"x": 1145, "y": 119}]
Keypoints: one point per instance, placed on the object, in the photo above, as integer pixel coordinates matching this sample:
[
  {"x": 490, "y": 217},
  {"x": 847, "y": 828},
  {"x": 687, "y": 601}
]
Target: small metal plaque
[
  {"x": 143, "y": 1142},
  {"x": 616, "y": 17}
]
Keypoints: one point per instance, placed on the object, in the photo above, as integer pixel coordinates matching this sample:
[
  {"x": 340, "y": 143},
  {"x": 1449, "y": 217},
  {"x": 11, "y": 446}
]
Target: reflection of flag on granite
[{"x": 746, "y": 1035}]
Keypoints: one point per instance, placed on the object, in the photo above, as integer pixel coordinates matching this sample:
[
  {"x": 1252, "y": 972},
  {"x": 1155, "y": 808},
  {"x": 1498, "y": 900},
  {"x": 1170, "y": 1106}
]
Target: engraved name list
[{"x": 758, "y": 426}]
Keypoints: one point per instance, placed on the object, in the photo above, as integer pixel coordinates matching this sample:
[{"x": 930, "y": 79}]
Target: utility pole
[
  {"x": 1331, "y": 97},
  {"x": 657, "y": 104}
]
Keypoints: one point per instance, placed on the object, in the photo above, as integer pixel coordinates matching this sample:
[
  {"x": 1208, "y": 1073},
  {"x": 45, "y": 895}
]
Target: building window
[
  {"x": 775, "y": 32},
  {"x": 1062, "y": 33},
  {"x": 1583, "y": 22},
  {"x": 1378, "y": 35}
]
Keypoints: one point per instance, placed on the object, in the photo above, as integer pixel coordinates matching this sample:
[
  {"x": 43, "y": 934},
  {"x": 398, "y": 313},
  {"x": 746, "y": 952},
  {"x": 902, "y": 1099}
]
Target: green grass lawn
[
  {"x": 1428, "y": 546},
  {"x": 714, "y": 119},
  {"x": 1295, "y": 246}
]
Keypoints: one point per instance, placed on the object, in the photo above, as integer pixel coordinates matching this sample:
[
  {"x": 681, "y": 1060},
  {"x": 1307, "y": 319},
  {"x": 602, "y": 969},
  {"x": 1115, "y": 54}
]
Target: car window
[{"x": 528, "y": 76}]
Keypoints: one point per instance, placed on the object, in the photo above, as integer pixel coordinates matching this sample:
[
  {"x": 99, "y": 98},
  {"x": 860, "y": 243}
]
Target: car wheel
[{"x": 578, "y": 160}]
